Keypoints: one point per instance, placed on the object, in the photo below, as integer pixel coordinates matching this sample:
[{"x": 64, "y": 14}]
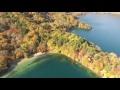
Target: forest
[{"x": 23, "y": 34}]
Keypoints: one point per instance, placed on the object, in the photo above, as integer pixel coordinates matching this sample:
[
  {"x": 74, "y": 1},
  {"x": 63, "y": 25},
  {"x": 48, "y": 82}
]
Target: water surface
[
  {"x": 50, "y": 66},
  {"x": 105, "y": 32}
]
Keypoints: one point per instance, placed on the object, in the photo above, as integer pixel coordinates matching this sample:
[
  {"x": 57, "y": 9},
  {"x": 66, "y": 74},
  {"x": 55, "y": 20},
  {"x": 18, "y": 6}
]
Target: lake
[
  {"x": 105, "y": 32},
  {"x": 50, "y": 66}
]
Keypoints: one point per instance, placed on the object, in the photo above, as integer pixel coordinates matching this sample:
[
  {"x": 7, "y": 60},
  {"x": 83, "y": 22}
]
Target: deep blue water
[{"x": 105, "y": 32}]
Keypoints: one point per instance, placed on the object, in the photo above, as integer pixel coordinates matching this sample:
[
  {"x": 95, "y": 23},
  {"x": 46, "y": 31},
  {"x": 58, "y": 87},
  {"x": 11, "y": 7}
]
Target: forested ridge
[{"x": 23, "y": 34}]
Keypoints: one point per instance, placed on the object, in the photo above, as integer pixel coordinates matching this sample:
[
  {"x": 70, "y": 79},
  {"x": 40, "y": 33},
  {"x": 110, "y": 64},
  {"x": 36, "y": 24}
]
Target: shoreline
[
  {"x": 113, "y": 13},
  {"x": 19, "y": 61},
  {"x": 78, "y": 14},
  {"x": 39, "y": 54},
  {"x": 24, "y": 60}
]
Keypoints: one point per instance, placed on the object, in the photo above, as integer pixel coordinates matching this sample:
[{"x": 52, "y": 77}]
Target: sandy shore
[
  {"x": 20, "y": 61},
  {"x": 24, "y": 60},
  {"x": 31, "y": 59}
]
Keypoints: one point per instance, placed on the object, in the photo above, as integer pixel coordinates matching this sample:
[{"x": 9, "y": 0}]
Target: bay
[{"x": 50, "y": 66}]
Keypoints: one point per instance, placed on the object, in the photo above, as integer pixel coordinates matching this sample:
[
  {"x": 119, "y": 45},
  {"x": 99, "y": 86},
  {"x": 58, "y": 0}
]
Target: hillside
[{"x": 26, "y": 33}]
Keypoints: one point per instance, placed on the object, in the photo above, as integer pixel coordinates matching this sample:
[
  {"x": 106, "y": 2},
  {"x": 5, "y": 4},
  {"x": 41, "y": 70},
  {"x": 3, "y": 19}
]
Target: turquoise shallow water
[
  {"x": 105, "y": 32},
  {"x": 50, "y": 66}
]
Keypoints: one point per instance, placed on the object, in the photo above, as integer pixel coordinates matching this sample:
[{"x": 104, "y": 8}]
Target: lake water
[
  {"x": 50, "y": 66},
  {"x": 105, "y": 32}
]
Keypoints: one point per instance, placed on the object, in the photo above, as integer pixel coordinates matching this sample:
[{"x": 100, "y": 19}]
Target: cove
[
  {"x": 105, "y": 31},
  {"x": 50, "y": 66}
]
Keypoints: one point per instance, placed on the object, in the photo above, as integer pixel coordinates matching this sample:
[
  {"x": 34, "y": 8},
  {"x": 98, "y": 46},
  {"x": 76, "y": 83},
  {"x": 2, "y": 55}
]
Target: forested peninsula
[{"x": 23, "y": 34}]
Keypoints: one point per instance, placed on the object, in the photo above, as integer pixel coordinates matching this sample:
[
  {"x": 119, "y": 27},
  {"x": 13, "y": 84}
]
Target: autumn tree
[{"x": 42, "y": 47}]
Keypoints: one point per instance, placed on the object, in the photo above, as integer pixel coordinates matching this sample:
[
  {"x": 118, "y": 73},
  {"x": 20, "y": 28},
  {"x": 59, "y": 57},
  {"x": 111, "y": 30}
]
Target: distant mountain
[{"x": 107, "y": 12}]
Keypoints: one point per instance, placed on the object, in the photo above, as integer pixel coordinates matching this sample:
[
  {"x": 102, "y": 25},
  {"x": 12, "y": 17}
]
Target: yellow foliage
[
  {"x": 85, "y": 60},
  {"x": 91, "y": 66},
  {"x": 96, "y": 70},
  {"x": 101, "y": 65}
]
